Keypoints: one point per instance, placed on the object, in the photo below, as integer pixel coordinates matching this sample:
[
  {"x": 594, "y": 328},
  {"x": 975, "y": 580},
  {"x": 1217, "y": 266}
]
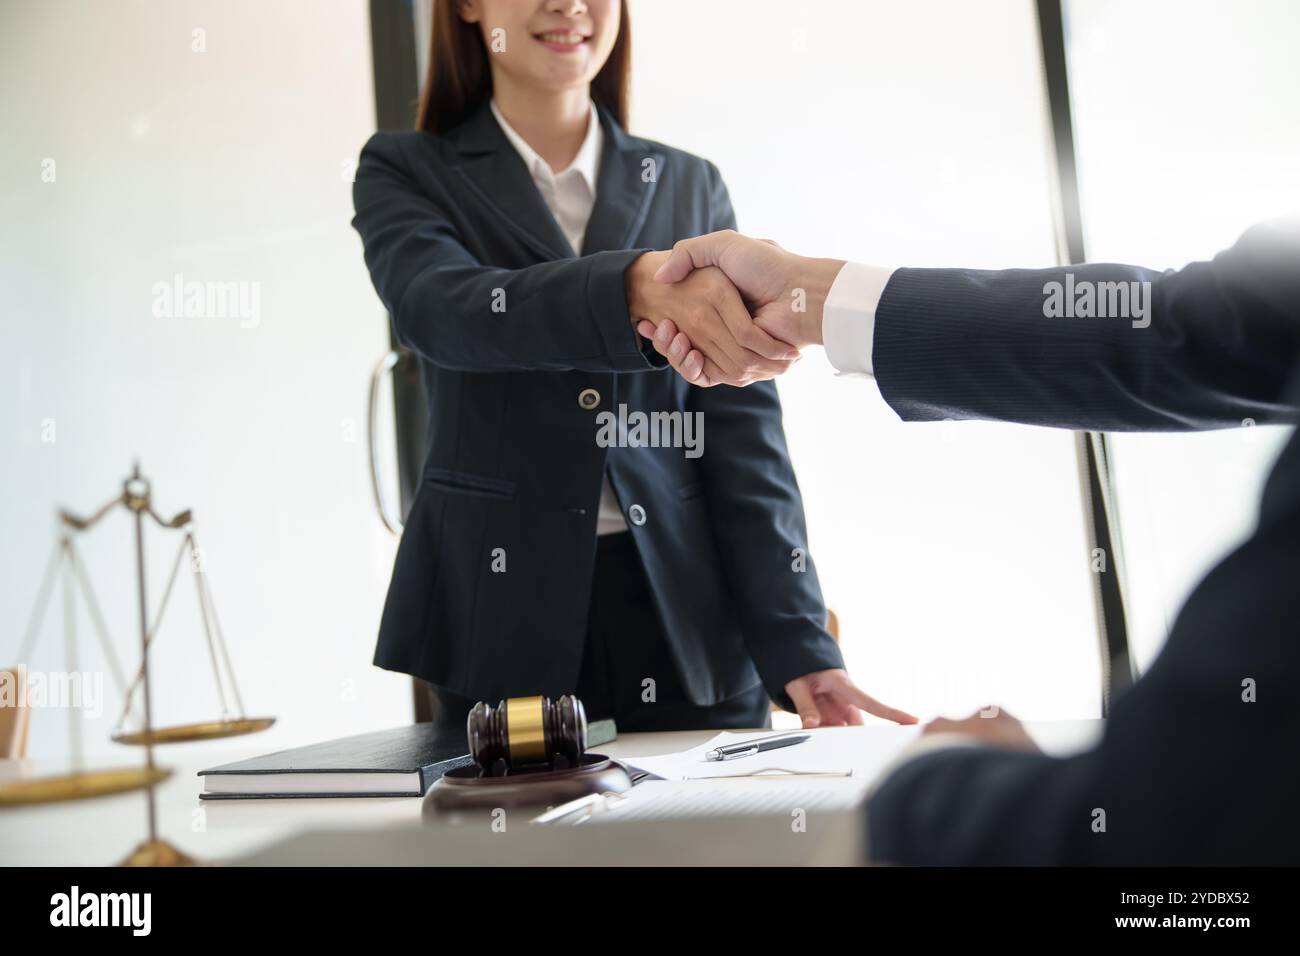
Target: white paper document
[
  {"x": 856, "y": 752},
  {"x": 667, "y": 800},
  {"x": 831, "y": 771}
]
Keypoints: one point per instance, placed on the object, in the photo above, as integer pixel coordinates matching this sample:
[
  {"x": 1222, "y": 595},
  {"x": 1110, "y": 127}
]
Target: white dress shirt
[
  {"x": 570, "y": 195},
  {"x": 849, "y": 316}
]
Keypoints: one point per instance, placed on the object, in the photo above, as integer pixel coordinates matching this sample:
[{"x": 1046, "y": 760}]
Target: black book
[{"x": 401, "y": 762}]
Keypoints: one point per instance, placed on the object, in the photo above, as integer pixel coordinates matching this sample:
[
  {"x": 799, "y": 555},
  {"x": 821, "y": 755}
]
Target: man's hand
[
  {"x": 830, "y": 699},
  {"x": 785, "y": 292},
  {"x": 706, "y": 313},
  {"x": 991, "y": 725}
]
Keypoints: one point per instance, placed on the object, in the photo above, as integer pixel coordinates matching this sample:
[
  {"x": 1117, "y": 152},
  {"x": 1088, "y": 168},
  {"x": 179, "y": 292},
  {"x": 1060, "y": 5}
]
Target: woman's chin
[{"x": 562, "y": 80}]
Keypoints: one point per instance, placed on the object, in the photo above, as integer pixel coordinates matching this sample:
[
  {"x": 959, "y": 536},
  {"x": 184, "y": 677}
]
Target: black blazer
[
  {"x": 454, "y": 229},
  {"x": 1188, "y": 772}
]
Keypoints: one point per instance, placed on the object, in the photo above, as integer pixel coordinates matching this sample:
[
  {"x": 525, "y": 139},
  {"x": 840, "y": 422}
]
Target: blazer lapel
[
  {"x": 495, "y": 172},
  {"x": 629, "y": 175}
]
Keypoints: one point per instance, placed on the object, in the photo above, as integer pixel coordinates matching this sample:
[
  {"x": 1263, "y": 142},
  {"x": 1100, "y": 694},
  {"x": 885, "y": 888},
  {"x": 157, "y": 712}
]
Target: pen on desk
[{"x": 746, "y": 748}]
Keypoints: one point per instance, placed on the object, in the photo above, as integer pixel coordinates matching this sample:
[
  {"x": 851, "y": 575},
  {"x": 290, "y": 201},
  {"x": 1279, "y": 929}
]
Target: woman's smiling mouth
[{"x": 563, "y": 41}]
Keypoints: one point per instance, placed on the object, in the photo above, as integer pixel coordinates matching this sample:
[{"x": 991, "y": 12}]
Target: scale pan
[
  {"x": 204, "y": 730},
  {"x": 79, "y": 786}
]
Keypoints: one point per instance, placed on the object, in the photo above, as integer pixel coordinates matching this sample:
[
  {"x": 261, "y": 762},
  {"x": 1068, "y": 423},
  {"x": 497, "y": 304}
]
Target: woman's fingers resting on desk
[{"x": 829, "y": 698}]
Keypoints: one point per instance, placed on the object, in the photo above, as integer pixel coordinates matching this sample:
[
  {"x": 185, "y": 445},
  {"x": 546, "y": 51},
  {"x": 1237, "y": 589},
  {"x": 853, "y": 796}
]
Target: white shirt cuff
[{"x": 849, "y": 316}]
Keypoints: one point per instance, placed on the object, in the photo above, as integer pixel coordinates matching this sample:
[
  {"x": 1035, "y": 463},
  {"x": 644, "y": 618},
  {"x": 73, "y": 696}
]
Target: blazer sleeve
[
  {"x": 757, "y": 516},
  {"x": 1220, "y": 340},
  {"x": 459, "y": 313}
]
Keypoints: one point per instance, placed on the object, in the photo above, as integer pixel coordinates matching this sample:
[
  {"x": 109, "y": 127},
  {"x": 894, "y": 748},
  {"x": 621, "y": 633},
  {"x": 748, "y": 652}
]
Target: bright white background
[
  {"x": 1186, "y": 114},
  {"x": 888, "y": 132},
  {"x": 901, "y": 133},
  {"x": 226, "y": 165}
]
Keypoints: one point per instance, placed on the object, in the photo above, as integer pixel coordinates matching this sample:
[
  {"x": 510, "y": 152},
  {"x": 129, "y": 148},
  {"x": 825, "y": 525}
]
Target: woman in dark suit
[{"x": 587, "y": 521}]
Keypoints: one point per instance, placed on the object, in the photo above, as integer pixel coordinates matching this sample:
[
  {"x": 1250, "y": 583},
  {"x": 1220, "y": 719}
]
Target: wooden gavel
[{"x": 527, "y": 732}]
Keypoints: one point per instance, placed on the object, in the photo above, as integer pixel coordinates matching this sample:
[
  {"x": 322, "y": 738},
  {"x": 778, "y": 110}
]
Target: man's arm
[
  {"x": 1209, "y": 346},
  {"x": 1205, "y": 347}
]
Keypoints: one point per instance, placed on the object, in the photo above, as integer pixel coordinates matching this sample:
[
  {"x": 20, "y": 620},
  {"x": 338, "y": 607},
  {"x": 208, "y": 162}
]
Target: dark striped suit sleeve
[{"x": 1222, "y": 338}]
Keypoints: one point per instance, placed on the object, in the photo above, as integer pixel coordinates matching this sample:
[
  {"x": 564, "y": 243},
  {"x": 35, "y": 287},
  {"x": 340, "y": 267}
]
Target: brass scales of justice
[{"x": 81, "y": 783}]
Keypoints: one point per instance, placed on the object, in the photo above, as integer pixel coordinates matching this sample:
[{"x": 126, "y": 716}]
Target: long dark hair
[{"x": 459, "y": 80}]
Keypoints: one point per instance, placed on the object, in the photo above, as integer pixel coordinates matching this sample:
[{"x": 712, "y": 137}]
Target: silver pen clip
[{"x": 721, "y": 753}]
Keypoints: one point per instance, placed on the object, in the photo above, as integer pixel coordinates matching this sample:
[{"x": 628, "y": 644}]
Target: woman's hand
[
  {"x": 716, "y": 339},
  {"x": 830, "y": 699}
]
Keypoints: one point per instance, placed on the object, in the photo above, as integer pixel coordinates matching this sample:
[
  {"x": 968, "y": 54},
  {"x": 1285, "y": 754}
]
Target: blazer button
[
  {"x": 636, "y": 514},
  {"x": 588, "y": 398}
]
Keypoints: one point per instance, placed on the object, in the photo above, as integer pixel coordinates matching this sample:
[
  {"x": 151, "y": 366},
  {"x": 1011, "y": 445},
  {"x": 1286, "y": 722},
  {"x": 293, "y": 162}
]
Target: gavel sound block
[{"x": 528, "y": 752}]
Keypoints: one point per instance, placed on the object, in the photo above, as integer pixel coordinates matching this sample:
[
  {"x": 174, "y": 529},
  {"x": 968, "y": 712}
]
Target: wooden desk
[{"x": 384, "y": 830}]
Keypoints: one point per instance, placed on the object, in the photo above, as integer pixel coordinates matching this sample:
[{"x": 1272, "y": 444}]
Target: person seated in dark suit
[
  {"x": 1197, "y": 764},
  {"x": 587, "y": 522}
]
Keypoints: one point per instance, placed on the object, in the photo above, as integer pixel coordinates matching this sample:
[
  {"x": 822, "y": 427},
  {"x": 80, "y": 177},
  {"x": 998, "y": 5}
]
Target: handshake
[{"x": 725, "y": 309}]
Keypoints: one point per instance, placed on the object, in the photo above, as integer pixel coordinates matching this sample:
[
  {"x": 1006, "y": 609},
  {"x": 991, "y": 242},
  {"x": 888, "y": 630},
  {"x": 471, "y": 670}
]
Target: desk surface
[
  {"x": 103, "y": 831},
  {"x": 361, "y": 830}
]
